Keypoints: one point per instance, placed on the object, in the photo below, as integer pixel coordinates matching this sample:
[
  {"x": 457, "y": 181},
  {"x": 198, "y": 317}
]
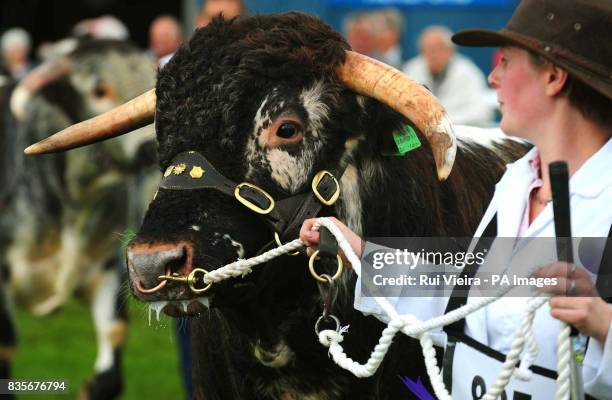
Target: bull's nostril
[
  {"x": 178, "y": 265},
  {"x": 148, "y": 262}
]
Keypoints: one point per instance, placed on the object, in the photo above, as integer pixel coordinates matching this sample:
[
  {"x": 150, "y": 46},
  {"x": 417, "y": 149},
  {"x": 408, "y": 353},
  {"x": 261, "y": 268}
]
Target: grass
[{"x": 62, "y": 346}]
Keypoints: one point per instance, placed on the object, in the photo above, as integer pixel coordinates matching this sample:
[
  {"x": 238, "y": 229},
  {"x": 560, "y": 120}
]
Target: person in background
[
  {"x": 16, "y": 45},
  {"x": 455, "y": 80},
  {"x": 359, "y": 32},
  {"x": 387, "y": 26},
  {"x": 165, "y": 37},
  {"x": 212, "y": 8}
]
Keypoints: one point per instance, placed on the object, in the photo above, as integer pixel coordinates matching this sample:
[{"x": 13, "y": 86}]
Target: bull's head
[{"x": 270, "y": 101}]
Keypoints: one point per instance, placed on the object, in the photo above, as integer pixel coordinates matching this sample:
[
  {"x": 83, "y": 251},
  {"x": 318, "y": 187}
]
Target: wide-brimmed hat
[{"x": 573, "y": 34}]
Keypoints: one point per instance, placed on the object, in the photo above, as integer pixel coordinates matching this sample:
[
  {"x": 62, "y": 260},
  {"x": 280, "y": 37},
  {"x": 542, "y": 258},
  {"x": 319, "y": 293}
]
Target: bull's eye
[
  {"x": 284, "y": 131},
  {"x": 103, "y": 90},
  {"x": 99, "y": 91},
  {"x": 287, "y": 130}
]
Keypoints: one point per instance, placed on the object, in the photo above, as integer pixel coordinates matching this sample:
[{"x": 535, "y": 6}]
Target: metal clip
[
  {"x": 326, "y": 294},
  {"x": 190, "y": 280}
]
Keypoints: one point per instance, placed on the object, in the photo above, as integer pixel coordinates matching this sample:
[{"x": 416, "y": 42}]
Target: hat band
[{"x": 551, "y": 50}]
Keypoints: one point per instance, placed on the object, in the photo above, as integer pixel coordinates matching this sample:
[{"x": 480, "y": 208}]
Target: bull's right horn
[
  {"x": 384, "y": 83},
  {"x": 132, "y": 115}
]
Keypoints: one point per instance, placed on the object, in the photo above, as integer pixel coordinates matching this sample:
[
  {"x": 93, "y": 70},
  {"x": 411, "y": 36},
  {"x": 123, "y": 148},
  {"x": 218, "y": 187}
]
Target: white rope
[
  {"x": 411, "y": 326},
  {"x": 563, "y": 362},
  {"x": 244, "y": 267}
]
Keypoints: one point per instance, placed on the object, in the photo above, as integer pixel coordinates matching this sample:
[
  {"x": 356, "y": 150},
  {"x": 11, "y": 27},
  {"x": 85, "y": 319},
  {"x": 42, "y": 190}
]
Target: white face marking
[
  {"x": 195, "y": 228},
  {"x": 237, "y": 245},
  {"x": 290, "y": 171},
  {"x": 317, "y": 110},
  {"x": 260, "y": 116},
  {"x": 252, "y": 148}
]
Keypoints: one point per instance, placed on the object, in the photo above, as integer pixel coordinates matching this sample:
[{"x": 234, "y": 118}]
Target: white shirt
[
  {"x": 463, "y": 89},
  {"x": 494, "y": 325}
]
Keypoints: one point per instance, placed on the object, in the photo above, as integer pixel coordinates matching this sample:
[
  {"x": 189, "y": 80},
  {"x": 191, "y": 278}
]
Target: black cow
[{"x": 272, "y": 101}]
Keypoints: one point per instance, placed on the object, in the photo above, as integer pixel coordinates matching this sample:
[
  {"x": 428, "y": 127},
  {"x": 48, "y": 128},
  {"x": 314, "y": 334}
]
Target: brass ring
[
  {"x": 279, "y": 244},
  {"x": 191, "y": 280},
  {"x": 319, "y": 277}
]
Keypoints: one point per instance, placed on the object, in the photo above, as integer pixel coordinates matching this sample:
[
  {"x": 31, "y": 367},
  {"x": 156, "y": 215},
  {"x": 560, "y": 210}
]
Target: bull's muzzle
[{"x": 147, "y": 262}]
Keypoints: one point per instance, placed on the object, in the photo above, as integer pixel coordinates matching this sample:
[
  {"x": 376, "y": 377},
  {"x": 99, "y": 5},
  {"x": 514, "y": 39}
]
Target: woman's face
[{"x": 520, "y": 87}]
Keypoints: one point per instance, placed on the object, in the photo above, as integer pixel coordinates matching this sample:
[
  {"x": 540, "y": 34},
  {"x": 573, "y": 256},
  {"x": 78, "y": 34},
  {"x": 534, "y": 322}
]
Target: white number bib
[{"x": 475, "y": 369}]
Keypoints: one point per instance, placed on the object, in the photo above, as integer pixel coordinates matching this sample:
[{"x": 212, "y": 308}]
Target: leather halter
[{"x": 190, "y": 170}]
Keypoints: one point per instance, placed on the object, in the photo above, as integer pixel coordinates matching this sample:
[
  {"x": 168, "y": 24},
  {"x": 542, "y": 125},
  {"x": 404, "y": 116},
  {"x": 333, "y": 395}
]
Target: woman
[{"x": 554, "y": 87}]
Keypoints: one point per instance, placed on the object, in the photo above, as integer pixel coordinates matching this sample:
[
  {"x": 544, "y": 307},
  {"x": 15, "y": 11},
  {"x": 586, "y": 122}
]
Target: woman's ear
[{"x": 556, "y": 79}]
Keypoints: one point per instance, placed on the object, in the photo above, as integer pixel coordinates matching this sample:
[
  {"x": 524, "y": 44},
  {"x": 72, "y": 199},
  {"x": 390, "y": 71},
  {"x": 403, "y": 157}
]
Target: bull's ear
[
  {"x": 127, "y": 117},
  {"x": 389, "y": 86}
]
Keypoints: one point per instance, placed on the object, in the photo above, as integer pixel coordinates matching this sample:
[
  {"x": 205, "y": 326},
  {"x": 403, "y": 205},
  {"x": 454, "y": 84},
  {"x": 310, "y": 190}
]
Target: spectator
[
  {"x": 16, "y": 45},
  {"x": 165, "y": 37},
  {"x": 388, "y": 25},
  {"x": 212, "y": 8},
  {"x": 359, "y": 33},
  {"x": 456, "y": 81}
]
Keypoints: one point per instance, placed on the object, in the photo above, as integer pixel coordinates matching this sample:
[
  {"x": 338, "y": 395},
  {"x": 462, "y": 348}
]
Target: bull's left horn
[
  {"x": 372, "y": 78},
  {"x": 132, "y": 115}
]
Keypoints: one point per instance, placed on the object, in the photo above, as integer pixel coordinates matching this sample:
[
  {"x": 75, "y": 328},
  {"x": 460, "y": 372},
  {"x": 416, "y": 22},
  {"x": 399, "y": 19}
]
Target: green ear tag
[{"x": 405, "y": 140}]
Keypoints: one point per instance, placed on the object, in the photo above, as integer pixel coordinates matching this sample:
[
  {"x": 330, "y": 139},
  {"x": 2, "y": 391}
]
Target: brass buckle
[
  {"x": 319, "y": 277},
  {"x": 248, "y": 203},
  {"x": 279, "y": 244},
  {"x": 315, "y": 182}
]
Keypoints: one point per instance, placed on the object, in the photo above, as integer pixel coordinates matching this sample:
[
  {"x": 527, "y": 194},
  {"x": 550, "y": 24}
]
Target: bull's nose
[{"x": 147, "y": 262}]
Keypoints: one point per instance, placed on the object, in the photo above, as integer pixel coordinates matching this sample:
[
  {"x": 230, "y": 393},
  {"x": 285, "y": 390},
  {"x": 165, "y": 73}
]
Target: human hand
[
  {"x": 312, "y": 238},
  {"x": 575, "y": 300}
]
